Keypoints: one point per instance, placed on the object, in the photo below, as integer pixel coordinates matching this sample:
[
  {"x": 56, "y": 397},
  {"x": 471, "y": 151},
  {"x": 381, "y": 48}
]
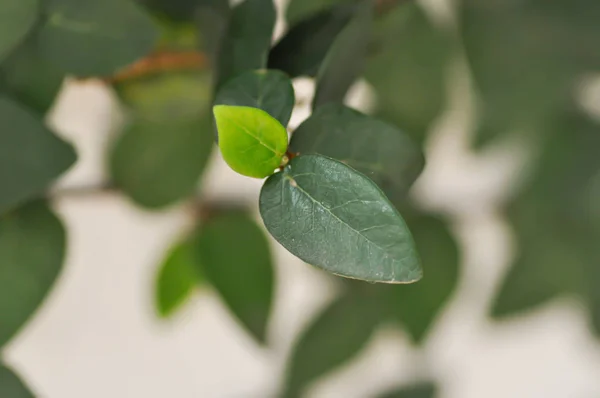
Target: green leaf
[
  {"x": 298, "y": 10},
  {"x": 177, "y": 277},
  {"x": 335, "y": 218},
  {"x": 11, "y": 386},
  {"x": 27, "y": 77},
  {"x": 236, "y": 259},
  {"x": 408, "y": 70},
  {"x": 418, "y": 391},
  {"x": 346, "y": 59},
  {"x": 335, "y": 337},
  {"x": 95, "y": 38},
  {"x": 252, "y": 142},
  {"x": 31, "y": 157},
  {"x": 32, "y": 249},
  {"x": 377, "y": 149},
  {"x": 269, "y": 90},
  {"x": 247, "y": 40},
  {"x": 16, "y": 19},
  {"x": 162, "y": 153},
  {"x": 302, "y": 50},
  {"x": 417, "y": 306}
]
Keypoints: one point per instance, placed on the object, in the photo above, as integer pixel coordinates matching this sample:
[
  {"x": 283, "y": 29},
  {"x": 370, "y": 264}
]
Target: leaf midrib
[{"x": 261, "y": 142}]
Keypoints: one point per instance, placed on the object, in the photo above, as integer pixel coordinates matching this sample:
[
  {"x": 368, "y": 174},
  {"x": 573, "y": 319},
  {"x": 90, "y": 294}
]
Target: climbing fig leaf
[
  {"x": 269, "y": 90},
  {"x": 11, "y": 386},
  {"x": 32, "y": 248},
  {"x": 252, "y": 142},
  {"x": 381, "y": 151},
  {"x": 235, "y": 258},
  {"x": 16, "y": 18},
  {"x": 335, "y": 218}
]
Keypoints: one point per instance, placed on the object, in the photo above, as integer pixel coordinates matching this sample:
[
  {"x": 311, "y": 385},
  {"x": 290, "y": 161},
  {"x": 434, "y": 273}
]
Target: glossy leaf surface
[
  {"x": 335, "y": 218},
  {"x": 11, "y": 386},
  {"x": 252, "y": 142},
  {"x": 32, "y": 249},
  {"x": 16, "y": 18}
]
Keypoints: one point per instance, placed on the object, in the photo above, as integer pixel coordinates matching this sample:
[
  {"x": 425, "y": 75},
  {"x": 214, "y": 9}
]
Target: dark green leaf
[
  {"x": 416, "y": 306},
  {"x": 346, "y": 59},
  {"x": 27, "y": 77},
  {"x": 95, "y": 38},
  {"x": 16, "y": 18},
  {"x": 336, "y": 336},
  {"x": 271, "y": 91},
  {"x": 181, "y": 10},
  {"x": 302, "y": 50},
  {"x": 164, "y": 150},
  {"x": 419, "y": 391},
  {"x": 31, "y": 157},
  {"x": 377, "y": 149},
  {"x": 335, "y": 218},
  {"x": 32, "y": 248},
  {"x": 408, "y": 69},
  {"x": 177, "y": 277},
  {"x": 213, "y": 20},
  {"x": 11, "y": 386},
  {"x": 298, "y": 10},
  {"x": 236, "y": 259},
  {"x": 247, "y": 40}
]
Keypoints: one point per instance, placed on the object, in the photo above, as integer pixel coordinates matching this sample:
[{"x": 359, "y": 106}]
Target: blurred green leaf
[
  {"x": 408, "y": 68},
  {"x": 164, "y": 150},
  {"x": 416, "y": 306},
  {"x": 213, "y": 21},
  {"x": 302, "y": 50},
  {"x": 31, "y": 157},
  {"x": 298, "y": 10},
  {"x": 346, "y": 59},
  {"x": 95, "y": 38},
  {"x": 32, "y": 249},
  {"x": 269, "y": 90},
  {"x": 27, "y": 77},
  {"x": 11, "y": 386},
  {"x": 419, "y": 391},
  {"x": 336, "y": 336},
  {"x": 180, "y": 10},
  {"x": 247, "y": 39},
  {"x": 377, "y": 149},
  {"x": 177, "y": 277},
  {"x": 252, "y": 142},
  {"x": 236, "y": 259},
  {"x": 16, "y": 19},
  {"x": 335, "y": 218}
]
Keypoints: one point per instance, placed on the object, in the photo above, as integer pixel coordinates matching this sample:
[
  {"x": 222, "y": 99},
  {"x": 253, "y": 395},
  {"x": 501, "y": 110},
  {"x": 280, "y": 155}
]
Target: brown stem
[{"x": 161, "y": 62}]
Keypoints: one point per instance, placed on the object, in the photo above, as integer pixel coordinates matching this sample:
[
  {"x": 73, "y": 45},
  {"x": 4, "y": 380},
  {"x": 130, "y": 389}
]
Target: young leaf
[
  {"x": 335, "y": 337},
  {"x": 31, "y": 157},
  {"x": 335, "y": 218},
  {"x": 247, "y": 40},
  {"x": 95, "y": 38},
  {"x": 11, "y": 386},
  {"x": 377, "y": 149},
  {"x": 269, "y": 90},
  {"x": 177, "y": 277},
  {"x": 304, "y": 47},
  {"x": 16, "y": 18},
  {"x": 252, "y": 142},
  {"x": 419, "y": 391},
  {"x": 235, "y": 257},
  {"x": 32, "y": 248},
  {"x": 345, "y": 60}
]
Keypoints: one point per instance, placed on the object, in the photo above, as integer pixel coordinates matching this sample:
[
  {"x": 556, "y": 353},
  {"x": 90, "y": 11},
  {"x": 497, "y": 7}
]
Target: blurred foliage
[
  {"x": 11, "y": 386},
  {"x": 418, "y": 391}
]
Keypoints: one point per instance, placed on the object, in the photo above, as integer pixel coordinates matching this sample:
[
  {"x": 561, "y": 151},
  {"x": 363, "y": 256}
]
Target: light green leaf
[
  {"x": 11, "y": 386},
  {"x": 269, "y": 90},
  {"x": 177, "y": 277},
  {"x": 32, "y": 249},
  {"x": 302, "y": 50},
  {"x": 377, "y": 149},
  {"x": 31, "y": 157},
  {"x": 335, "y": 218},
  {"x": 236, "y": 259},
  {"x": 346, "y": 59},
  {"x": 16, "y": 19},
  {"x": 95, "y": 38},
  {"x": 335, "y": 337},
  {"x": 165, "y": 149},
  {"x": 252, "y": 142},
  {"x": 247, "y": 40},
  {"x": 418, "y": 391}
]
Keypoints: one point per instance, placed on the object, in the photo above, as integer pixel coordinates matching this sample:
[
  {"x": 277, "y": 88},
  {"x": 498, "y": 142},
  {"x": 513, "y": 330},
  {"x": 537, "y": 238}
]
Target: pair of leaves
[
  {"x": 231, "y": 253},
  {"x": 11, "y": 386}
]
